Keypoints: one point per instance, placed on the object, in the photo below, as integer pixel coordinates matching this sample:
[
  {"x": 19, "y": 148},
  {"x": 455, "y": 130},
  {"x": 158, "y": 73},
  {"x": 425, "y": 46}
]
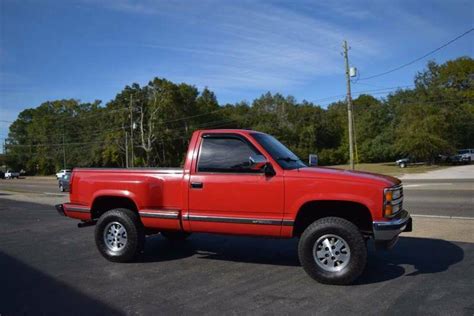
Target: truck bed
[{"x": 149, "y": 188}]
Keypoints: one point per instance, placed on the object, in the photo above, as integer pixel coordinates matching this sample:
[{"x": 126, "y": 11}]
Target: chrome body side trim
[
  {"x": 79, "y": 209},
  {"x": 166, "y": 214},
  {"x": 287, "y": 222},
  {"x": 238, "y": 220}
]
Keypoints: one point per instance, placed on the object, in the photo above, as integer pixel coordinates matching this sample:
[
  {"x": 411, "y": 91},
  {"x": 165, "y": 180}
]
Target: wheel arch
[
  {"x": 355, "y": 212},
  {"x": 105, "y": 203}
]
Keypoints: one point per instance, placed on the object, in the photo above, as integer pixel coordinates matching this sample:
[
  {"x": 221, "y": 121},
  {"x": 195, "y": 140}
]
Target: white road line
[
  {"x": 442, "y": 216},
  {"x": 424, "y": 184},
  {"x": 54, "y": 194}
]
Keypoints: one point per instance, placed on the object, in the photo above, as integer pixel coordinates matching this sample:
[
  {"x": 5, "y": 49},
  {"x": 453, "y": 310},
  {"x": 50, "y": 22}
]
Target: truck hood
[{"x": 343, "y": 175}]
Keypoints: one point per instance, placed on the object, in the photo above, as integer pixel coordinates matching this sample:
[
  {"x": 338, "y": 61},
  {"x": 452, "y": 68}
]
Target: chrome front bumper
[{"x": 388, "y": 231}]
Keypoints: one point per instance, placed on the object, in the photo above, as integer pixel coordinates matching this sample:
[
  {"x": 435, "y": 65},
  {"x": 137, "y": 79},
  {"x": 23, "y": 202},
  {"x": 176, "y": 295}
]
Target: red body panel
[{"x": 229, "y": 203}]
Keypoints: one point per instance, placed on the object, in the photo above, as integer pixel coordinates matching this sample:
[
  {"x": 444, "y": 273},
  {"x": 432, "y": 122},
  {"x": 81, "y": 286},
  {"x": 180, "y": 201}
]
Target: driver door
[{"x": 226, "y": 196}]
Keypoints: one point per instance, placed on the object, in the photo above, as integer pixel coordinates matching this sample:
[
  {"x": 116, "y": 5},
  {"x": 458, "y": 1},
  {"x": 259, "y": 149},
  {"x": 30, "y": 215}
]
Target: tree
[{"x": 436, "y": 117}]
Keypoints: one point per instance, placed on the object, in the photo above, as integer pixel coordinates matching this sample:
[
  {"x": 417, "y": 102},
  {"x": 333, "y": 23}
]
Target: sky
[{"x": 91, "y": 49}]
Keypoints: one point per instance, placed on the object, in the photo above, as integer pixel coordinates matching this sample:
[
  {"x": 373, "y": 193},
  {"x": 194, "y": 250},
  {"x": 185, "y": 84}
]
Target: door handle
[{"x": 196, "y": 185}]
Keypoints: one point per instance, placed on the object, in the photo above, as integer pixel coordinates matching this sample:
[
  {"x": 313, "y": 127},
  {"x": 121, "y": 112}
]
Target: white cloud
[
  {"x": 250, "y": 44},
  {"x": 270, "y": 45}
]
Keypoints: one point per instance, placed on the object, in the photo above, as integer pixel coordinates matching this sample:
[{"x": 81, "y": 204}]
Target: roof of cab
[{"x": 231, "y": 130}]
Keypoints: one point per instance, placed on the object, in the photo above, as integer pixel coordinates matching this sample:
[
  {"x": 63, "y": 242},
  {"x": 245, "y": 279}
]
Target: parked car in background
[
  {"x": 63, "y": 182},
  {"x": 451, "y": 159},
  {"x": 402, "y": 163},
  {"x": 11, "y": 174},
  {"x": 62, "y": 172},
  {"x": 466, "y": 155}
]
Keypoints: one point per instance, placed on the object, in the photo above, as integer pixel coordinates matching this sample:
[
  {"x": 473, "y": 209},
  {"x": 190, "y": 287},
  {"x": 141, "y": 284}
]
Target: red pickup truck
[{"x": 243, "y": 182}]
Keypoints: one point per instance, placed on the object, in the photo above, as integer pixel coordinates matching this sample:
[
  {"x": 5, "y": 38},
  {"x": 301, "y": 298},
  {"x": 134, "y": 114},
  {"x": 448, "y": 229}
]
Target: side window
[{"x": 225, "y": 154}]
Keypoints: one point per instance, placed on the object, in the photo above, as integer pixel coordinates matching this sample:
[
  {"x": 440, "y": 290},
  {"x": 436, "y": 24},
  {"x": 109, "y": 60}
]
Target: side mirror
[
  {"x": 313, "y": 160},
  {"x": 257, "y": 162}
]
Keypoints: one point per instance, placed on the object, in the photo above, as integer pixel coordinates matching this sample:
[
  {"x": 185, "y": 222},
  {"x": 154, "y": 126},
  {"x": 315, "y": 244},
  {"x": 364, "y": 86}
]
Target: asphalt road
[
  {"x": 424, "y": 197},
  {"x": 440, "y": 197},
  {"x": 50, "y": 266},
  {"x": 31, "y": 185}
]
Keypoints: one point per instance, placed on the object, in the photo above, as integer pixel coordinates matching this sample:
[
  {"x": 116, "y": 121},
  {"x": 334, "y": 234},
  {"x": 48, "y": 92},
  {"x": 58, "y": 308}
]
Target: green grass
[{"x": 389, "y": 168}]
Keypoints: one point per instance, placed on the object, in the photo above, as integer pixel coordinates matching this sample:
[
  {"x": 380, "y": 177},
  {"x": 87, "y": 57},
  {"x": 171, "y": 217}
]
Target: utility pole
[
  {"x": 131, "y": 129},
  {"x": 349, "y": 107},
  {"x": 126, "y": 149},
  {"x": 64, "y": 154}
]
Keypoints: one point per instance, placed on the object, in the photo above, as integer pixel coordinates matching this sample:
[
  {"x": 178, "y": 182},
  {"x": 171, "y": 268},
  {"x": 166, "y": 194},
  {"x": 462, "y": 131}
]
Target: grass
[{"x": 389, "y": 168}]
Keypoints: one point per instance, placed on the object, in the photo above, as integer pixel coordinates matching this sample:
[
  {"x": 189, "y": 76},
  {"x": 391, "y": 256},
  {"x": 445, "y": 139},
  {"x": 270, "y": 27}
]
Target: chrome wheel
[
  {"x": 115, "y": 236},
  {"x": 331, "y": 253}
]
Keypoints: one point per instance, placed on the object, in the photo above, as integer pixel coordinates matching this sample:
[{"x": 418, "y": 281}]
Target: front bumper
[{"x": 386, "y": 233}]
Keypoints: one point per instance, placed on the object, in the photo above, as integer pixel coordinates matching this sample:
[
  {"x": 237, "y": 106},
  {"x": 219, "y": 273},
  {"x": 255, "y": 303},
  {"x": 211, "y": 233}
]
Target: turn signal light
[
  {"x": 388, "y": 210},
  {"x": 392, "y": 201}
]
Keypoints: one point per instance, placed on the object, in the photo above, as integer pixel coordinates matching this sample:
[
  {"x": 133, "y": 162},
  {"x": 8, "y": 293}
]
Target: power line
[
  {"x": 81, "y": 116},
  {"x": 222, "y": 108},
  {"x": 435, "y": 102},
  {"x": 419, "y": 58},
  {"x": 108, "y": 140},
  {"x": 338, "y": 96},
  {"x": 209, "y": 124}
]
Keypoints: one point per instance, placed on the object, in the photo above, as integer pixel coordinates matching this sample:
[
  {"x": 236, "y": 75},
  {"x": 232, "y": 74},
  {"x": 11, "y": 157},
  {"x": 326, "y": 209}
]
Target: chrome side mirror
[
  {"x": 257, "y": 162},
  {"x": 313, "y": 160}
]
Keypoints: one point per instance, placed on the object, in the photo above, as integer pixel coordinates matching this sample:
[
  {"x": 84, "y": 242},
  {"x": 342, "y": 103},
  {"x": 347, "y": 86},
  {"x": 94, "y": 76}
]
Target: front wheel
[
  {"x": 333, "y": 251},
  {"x": 119, "y": 235}
]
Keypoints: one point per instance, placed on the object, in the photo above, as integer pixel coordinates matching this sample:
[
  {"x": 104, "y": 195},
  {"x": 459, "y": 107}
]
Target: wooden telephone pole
[
  {"x": 131, "y": 131},
  {"x": 126, "y": 149},
  {"x": 349, "y": 106}
]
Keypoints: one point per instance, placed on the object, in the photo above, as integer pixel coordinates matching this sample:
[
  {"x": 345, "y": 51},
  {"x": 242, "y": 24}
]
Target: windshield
[
  {"x": 282, "y": 155},
  {"x": 464, "y": 151}
]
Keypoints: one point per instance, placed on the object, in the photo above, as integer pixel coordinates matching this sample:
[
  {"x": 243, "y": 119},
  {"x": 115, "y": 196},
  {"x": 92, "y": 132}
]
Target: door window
[{"x": 225, "y": 154}]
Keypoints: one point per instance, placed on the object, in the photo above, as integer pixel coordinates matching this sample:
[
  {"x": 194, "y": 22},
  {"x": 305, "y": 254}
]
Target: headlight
[{"x": 393, "y": 200}]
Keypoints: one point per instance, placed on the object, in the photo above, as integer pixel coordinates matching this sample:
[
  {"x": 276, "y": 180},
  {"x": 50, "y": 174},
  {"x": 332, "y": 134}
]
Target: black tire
[
  {"x": 175, "y": 236},
  {"x": 135, "y": 236},
  {"x": 350, "y": 234},
  {"x": 403, "y": 165},
  {"x": 61, "y": 188}
]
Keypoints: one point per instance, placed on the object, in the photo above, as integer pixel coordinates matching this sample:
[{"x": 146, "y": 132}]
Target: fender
[
  {"x": 361, "y": 193},
  {"x": 117, "y": 193}
]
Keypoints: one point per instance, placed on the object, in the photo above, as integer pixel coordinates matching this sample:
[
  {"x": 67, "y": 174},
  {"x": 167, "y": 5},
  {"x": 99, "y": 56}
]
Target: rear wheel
[
  {"x": 403, "y": 164},
  {"x": 119, "y": 235},
  {"x": 175, "y": 236},
  {"x": 333, "y": 251}
]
